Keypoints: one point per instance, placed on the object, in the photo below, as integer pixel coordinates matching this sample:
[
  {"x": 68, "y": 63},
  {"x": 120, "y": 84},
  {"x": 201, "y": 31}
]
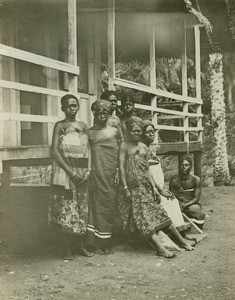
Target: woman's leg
[
  {"x": 177, "y": 236},
  {"x": 161, "y": 250},
  {"x": 67, "y": 241},
  {"x": 82, "y": 250}
]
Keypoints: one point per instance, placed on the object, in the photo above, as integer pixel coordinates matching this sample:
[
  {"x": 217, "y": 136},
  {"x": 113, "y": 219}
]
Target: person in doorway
[
  {"x": 68, "y": 207},
  {"x": 187, "y": 189},
  {"x": 138, "y": 201},
  {"x": 104, "y": 144}
]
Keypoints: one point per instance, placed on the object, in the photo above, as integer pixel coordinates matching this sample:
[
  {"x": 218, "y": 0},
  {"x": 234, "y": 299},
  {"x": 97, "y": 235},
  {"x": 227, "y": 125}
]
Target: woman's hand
[
  {"x": 116, "y": 179},
  {"x": 86, "y": 176},
  {"x": 78, "y": 180},
  {"x": 127, "y": 193},
  {"x": 156, "y": 195},
  {"x": 166, "y": 193}
]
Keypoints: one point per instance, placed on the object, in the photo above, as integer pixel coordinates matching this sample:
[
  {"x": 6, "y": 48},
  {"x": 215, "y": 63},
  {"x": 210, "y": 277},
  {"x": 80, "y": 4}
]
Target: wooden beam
[
  {"x": 111, "y": 43},
  {"x": 30, "y": 88},
  {"x": 157, "y": 92},
  {"x": 198, "y": 77},
  {"x": 38, "y": 59},
  {"x": 6, "y": 116},
  {"x": 166, "y": 111},
  {"x": 177, "y": 128},
  {"x": 185, "y": 83},
  {"x": 178, "y": 148},
  {"x": 72, "y": 43}
]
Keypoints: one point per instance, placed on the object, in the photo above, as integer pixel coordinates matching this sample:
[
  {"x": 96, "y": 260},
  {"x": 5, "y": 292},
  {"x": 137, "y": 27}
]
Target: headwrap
[
  {"x": 97, "y": 105},
  {"x": 133, "y": 121},
  {"x": 147, "y": 123}
]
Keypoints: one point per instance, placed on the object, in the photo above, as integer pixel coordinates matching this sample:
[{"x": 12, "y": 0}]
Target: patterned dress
[
  {"x": 142, "y": 213},
  {"x": 68, "y": 207}
]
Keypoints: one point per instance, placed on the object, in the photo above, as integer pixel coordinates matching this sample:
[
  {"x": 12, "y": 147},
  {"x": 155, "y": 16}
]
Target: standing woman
[
  {"x": 68, "y": 208},
  {"x": 139, "y": 206},
  {"x": 103, "y": 140}
]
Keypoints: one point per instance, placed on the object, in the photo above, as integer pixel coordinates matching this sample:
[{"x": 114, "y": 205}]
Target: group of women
[{"x": 101, "y": 170}]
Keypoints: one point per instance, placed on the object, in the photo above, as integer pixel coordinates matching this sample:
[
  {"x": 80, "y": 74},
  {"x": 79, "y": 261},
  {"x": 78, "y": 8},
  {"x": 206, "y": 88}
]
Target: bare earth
[{"x": 133, "y": 271}]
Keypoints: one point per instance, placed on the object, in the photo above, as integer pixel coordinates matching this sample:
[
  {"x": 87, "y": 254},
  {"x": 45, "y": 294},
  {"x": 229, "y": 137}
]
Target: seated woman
[
  {"x": 187, "y": 189},
  {"x": 138, "y": 205},
  {"x": 167, "y": 199}
]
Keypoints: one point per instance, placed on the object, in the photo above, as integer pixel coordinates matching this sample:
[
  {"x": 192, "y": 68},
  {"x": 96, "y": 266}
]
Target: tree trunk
[{"x": 221, "y": 170}]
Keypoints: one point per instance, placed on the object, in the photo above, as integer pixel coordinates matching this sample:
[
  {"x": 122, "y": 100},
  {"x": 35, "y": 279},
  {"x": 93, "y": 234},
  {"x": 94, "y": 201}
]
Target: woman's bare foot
[
  {"x": 191, "y": 242},
  {"x": 86, "y": 253},
  {"x": 190, "y": 238},
  {"x": 107, "y": 251},
  {"x": 67, "y": 254},
  {"x": 165, "y": 253},
  {"x": 187, "y": 246},
  {"x": 98, "y": 251}
]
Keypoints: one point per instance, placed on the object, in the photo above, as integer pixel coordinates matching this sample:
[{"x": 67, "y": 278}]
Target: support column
[
  {"x": 153, "y": 73},
  {"x": 198, "y": 164},
  {"x": 198, "y": 77},
  {"x": 72, "y": 43},
  {"x": 185, "y": 87},
  {"x": 111, "y": 43}
]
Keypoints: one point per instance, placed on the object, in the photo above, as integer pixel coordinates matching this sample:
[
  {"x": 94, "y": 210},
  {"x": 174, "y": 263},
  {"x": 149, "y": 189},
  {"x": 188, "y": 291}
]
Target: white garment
[{"x": 171, "y": 206}]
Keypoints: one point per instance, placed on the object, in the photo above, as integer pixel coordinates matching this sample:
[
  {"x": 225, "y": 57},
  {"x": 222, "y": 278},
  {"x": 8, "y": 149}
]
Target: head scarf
[
  {"x": 133, "y": 121},
  {"x": 101, "y": 104}
]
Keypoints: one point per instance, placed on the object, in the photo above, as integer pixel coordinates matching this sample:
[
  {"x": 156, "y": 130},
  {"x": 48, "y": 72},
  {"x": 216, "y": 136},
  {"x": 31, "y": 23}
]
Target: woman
[
  {"x": 68, "y": 208},
  {"x": 138, "y": 206},
  {"x": 103, "y": 141},
  {"x": 168, "y": 201}
]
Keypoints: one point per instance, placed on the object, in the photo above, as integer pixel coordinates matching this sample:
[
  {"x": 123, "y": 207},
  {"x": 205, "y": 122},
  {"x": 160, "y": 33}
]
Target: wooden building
[{"x": 48, "y": 48}]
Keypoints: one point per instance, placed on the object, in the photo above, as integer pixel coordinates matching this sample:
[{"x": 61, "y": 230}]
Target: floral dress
[
  {"x": 142, "y": 213},
  {"x": 68, "y": 207}
]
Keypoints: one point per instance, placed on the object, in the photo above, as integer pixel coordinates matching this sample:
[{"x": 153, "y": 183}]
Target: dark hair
[
  {"x": 127, "y": 99},
  {"x": 66, "y": 97},
  {"x": 188, "y": 158},
  {"x": 106, "y": 94}
]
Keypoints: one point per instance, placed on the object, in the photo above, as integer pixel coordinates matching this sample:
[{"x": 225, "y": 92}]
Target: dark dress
[
  {"x": 104, "y": 163},
  {"x": 142, "y": 213}
]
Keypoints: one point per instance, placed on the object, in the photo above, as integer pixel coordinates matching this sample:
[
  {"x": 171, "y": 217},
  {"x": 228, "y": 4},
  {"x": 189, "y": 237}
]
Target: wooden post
[
  {"x": 198, "y": 77},
  {"x": 185, "y": 86},
  {"x": 72, "y": 43},
  {"x": 153, "y": 72},
  {"x": 111, "y": 43},
  {"x": 198, "y": 164}
]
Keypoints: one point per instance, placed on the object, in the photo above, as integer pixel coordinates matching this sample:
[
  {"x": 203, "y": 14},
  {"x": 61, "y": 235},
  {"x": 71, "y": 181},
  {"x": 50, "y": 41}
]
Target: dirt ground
[{"x": 133, "y": 271}]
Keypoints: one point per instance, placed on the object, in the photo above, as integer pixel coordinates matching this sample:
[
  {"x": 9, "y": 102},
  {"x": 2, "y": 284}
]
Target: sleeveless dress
[
  {"x": 68, "y": 207},
  {"x": 103, "y": 197},
  {"x": 142, "y": 213}
]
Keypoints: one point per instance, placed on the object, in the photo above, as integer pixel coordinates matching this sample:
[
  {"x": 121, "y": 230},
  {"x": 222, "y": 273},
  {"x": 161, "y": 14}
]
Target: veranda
[{"x": 50, "y": 48}]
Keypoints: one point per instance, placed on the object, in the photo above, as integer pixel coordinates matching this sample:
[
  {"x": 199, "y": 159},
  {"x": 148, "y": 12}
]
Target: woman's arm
[
  {"x": 197, "y": 192},
  {"x": 122, "y": 162}
]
